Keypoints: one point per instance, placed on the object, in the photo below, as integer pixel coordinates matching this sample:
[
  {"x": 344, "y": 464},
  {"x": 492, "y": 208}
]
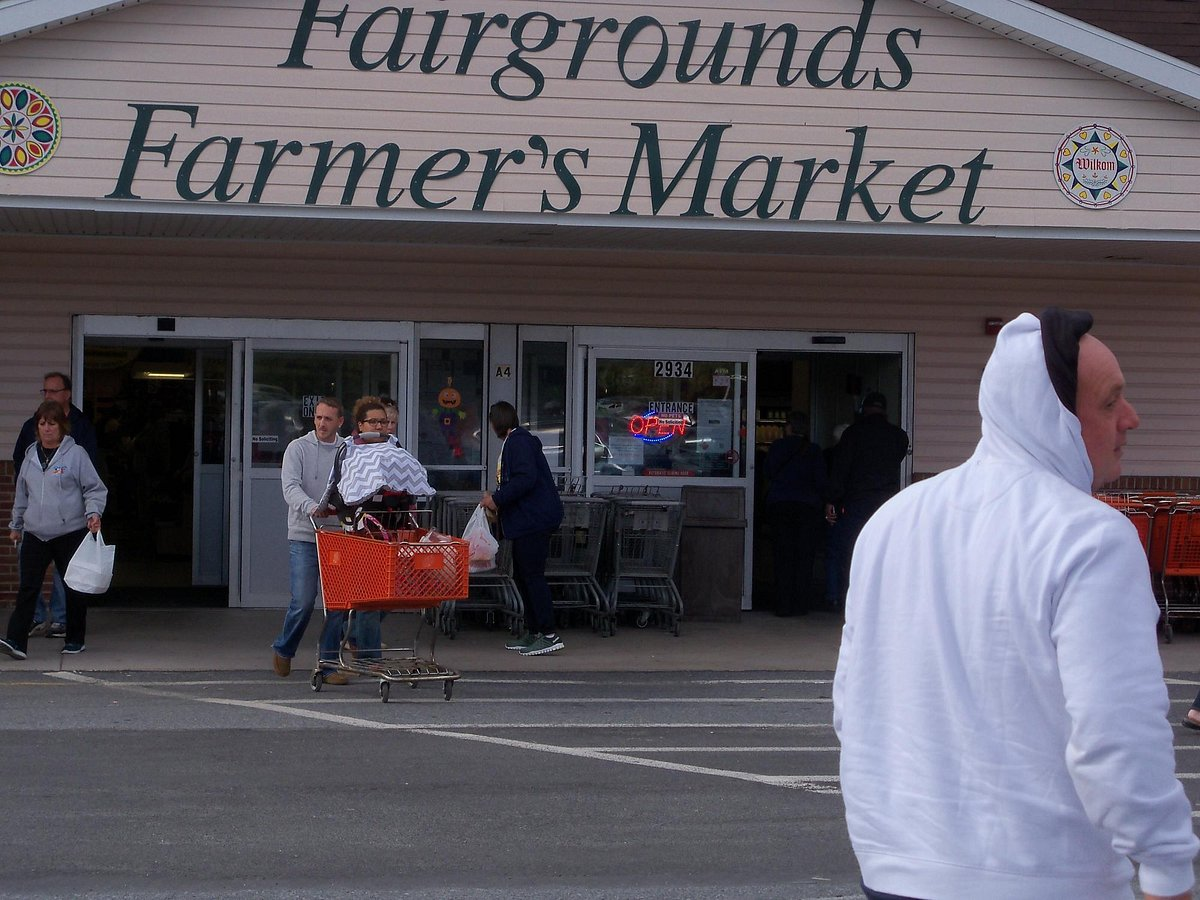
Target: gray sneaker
[
  {"x": 6, "y": 647},
  {"x": 37, "y": 628},
  {"x": 543, "y": 645},
  {"x": 56, "y": 629},
  {"x": 522, "y": 643}
]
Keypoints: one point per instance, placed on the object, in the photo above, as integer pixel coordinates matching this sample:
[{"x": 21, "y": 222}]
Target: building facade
[{"x": 655, "y": 228}]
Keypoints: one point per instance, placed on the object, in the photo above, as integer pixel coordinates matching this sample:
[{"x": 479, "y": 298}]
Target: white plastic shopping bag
[
  {"x": 478, "y": 534},
  {"x": 91, "y": 568}
]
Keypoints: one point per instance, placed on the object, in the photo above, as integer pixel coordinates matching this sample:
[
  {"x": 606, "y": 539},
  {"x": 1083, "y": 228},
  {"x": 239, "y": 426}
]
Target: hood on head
[{"x": 1023, "y": 417}]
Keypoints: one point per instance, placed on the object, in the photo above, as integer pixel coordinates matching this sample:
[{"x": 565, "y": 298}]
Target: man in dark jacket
[
  {"x": 49, "y": 618},
  {"x": 57, "y": 387},
  {"x": 529, "y": 507},
  {"x": 866, "y": 473}
]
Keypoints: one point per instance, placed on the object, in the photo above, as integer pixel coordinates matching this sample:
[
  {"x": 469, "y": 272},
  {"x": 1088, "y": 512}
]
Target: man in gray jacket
[{"x": 307, "y": 463}]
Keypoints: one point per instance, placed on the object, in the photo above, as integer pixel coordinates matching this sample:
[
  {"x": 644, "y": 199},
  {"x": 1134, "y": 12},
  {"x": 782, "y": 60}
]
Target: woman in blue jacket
[
  {"x": 529, "y": 507},
  {"x": 59, "y": 500}
]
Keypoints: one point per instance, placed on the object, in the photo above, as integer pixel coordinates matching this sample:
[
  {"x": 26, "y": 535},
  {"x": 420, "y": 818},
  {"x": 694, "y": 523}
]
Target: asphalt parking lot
[{"x": 615, "y": 785}]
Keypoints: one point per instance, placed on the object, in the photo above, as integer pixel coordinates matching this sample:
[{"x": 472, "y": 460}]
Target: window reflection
[
  {"x": 663, "y": 418},
  {"x": 544, "y": 396},
  {"x": 288, "y": 384},
  {"x": 450, "y": 404}
]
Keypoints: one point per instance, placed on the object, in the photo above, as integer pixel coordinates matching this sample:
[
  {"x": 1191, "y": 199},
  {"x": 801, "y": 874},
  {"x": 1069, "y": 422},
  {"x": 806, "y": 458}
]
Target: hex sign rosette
[
  {"x": 1095, "y": 166},
  {"x": 29, "y": 129}
]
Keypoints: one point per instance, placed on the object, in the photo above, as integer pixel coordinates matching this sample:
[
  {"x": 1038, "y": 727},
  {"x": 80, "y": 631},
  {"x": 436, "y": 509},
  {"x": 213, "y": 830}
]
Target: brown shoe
[
  {"x": 283, "y": 666},
  {"x": 338, "y": 678}
]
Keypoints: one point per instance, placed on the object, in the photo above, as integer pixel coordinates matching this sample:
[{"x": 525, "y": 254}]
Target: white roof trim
[
  {"x": 19, "y": 18},
  {"x": 1082, "y": 44},
  {"x": 1020, "y": 20}
]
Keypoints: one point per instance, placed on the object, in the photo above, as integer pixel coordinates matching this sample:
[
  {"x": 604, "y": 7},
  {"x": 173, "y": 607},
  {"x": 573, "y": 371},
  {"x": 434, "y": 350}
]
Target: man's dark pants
[
  {"x": 529, "y": 571},
  {"x": 36, "y": 555}
]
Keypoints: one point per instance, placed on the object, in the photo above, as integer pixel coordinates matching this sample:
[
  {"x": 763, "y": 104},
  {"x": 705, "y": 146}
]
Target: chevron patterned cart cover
[{"x": 370, "y": 468}]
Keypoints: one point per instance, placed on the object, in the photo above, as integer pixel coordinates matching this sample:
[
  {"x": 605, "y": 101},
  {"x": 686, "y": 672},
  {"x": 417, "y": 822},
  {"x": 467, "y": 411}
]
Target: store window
[
  {"x": 288, "y": 384},
  {"x": 544, "y": 396},
  {"x": 450, "y": 414},
  {"x": 670, "y": 418}
]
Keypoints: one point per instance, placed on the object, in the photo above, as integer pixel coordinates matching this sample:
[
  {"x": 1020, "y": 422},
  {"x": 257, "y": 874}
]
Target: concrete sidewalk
[{"x": 235, "y": 640}]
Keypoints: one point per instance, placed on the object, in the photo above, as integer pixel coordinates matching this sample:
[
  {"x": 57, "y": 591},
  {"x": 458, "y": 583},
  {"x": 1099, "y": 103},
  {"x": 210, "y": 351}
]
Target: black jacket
[
  {"x": 527, "y": 498},
  {"x": 866, "y": 463}
]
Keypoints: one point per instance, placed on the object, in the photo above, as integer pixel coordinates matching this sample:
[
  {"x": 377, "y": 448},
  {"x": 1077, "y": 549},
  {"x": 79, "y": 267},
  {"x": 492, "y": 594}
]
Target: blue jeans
[
  {"x": 305, "y": 576},
  {"x": 56, "y": 605}
]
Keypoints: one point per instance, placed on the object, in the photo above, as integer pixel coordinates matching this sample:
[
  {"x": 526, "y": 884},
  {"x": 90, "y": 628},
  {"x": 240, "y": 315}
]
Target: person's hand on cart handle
[
  {"x": 487, "y": 502},
  {"x": 93, "y": 522}
]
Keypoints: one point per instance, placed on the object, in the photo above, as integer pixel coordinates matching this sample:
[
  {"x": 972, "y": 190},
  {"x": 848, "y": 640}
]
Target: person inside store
[
  {"x": 372, "y": 483},
  {"x": 999, "y": 694},
  {"x": 59, "y": 500},
  {"x": 866, "y": 472},
  {"x": 795, "y": 469},
  {"x": 307, "y": 462},
  {"x": 527, "y": 504},
  {"x": 50, "y": 612}
]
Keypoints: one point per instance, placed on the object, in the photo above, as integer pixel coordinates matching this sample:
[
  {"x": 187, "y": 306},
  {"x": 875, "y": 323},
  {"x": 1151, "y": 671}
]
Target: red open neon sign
[{"x": 656, "y": 428}]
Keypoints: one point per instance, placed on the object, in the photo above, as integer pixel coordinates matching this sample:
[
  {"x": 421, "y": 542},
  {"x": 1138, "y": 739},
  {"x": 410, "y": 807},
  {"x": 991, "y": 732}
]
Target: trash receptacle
[{"x": 712, "y": 560}]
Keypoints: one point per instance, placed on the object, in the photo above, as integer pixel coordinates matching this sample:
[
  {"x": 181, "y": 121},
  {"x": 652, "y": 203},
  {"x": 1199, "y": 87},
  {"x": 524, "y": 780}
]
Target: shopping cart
[
  {"x": 494, "y": 592},
  {"x": 1180, "y": 578},
  {"x": 573, "y": 560},
  {"x": 393, "y": 566},
  {"x": 645, "y": 545}
]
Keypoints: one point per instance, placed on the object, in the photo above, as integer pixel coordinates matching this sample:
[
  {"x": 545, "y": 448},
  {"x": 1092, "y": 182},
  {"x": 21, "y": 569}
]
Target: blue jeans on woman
[
  {"x": 306, "y": 577},
  {"x": 52, "y": 609}
]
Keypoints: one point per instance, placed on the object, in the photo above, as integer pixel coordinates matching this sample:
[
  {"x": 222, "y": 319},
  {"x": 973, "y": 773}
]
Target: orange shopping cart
[
  {"x": 405, "y": 568},
  {"x": 1180, "y": 578}
]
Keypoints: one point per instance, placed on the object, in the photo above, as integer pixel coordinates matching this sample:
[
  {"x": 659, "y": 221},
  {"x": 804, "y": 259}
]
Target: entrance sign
[{"x": 1095, "y": 166}]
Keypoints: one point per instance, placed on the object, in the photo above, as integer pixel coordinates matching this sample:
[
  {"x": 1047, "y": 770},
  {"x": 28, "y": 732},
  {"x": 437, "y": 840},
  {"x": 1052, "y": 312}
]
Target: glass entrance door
[{"x": 282, "y": 384}]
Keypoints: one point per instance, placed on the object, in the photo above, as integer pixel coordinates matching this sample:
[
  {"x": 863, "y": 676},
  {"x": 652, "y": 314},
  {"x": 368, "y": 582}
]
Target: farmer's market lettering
[
  {"x": 237, "y": 169},
  {"x": 645, "y": 51}
]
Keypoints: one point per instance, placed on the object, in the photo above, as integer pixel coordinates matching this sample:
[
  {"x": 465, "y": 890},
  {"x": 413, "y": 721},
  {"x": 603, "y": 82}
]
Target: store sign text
[
  {"x": 693, "y": 175},
  {"x": 229, "y": 168}
]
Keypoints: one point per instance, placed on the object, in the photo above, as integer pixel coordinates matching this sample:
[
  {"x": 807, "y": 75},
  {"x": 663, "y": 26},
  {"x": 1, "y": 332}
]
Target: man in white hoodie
[{"x": 999, "y": 695}]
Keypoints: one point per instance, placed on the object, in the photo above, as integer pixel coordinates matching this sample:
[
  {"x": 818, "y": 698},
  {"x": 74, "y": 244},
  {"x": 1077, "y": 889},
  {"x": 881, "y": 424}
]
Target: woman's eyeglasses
[{"x": 375, "y": 421}]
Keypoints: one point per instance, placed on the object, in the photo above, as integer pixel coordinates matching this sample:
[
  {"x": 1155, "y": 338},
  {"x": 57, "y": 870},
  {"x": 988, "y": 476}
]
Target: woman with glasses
[{"x": 373, "y": 475}]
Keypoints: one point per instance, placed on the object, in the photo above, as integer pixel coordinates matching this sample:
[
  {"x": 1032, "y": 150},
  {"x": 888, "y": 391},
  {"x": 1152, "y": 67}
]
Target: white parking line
[
  {"x": 547, "y": 701},
  {"x": 685, "y": 749}
]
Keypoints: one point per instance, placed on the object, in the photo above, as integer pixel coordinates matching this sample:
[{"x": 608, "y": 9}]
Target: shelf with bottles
[{"x": 769, "y": 424}]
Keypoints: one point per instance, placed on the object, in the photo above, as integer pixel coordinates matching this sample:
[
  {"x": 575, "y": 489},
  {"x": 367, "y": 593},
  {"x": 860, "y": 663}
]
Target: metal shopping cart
[
  {"x": 573, "y": 560},
  {"x": 1180, "y": 578},
  {"x": 394, "y": 566},
  {"x": 494, "y": 592},
  {"x": 645, "y": 545},
  {"x": 1168, "y": 527}
]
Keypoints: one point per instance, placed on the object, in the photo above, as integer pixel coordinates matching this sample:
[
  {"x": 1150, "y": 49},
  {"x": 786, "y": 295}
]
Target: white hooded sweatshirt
[{"x": 999, "y": 695}]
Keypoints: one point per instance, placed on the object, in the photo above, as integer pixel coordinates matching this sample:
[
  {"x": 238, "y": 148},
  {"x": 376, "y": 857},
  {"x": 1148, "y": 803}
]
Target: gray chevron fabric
[{"x": 371, "y": 468}]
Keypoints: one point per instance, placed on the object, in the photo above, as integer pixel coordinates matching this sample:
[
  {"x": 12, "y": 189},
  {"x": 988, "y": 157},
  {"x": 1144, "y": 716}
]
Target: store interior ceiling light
[{"x": 166, "y": 376}]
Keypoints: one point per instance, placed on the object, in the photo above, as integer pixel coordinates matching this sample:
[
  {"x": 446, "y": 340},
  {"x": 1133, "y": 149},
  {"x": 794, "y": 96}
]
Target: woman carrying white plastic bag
[
  {"x": 91, "y": 568},
  {"x": 59, "y": 499}
]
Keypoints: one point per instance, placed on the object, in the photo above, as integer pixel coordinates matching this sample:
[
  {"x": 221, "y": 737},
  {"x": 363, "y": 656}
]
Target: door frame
[
  {"x": 236, "y": 331},
  {"x": 249, "y": 472}
]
